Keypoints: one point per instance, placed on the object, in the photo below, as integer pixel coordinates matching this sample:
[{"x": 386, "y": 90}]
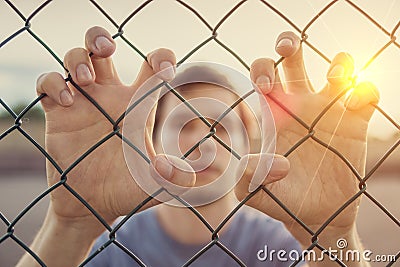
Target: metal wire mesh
[{"x": 116, "y": 131}]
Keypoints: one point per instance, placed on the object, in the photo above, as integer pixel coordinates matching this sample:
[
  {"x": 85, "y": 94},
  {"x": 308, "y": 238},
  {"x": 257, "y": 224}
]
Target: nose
[
  {"x": 204, "y": 154},
  {"x": 207, "y": 153},
  {"x": 192, "y": 133}
]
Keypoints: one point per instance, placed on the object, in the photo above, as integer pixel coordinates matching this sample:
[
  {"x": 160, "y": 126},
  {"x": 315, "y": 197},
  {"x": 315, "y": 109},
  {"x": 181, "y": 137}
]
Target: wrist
[
  {"x": 328, "y": 237},
  {"x": 88, "y": 227},
  {"x": 61, "y": 242}
]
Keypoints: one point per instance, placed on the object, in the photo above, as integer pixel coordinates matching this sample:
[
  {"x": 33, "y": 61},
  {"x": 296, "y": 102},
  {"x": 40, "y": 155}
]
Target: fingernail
[
  {"x": 163, "y": 167},
  {"x": 280, "y": 167},
  {"x": 264, "y": 83},
  {"x": 284, "y": 42},
  {"x": 167, "y": 71},
  {"x": 252, "y": 187},
  {"x": 66, "y": 97},
  {"x": 102, "y": 42},
  {"x": 352, "y": 101},
  {"x": 83, "y": 73},
  {"x": 337, "y": 71}
]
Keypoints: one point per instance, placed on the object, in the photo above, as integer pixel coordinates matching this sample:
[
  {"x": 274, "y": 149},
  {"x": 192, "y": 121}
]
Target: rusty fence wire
[{"x": 27, "y": 28}]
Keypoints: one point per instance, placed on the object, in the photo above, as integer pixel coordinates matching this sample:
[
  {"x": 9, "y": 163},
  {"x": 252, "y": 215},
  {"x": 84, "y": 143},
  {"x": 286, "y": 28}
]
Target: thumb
[
  {"x": 260, "y": 169},
  {"x": 172, "y": 173},
  {"x": 160, "y": 62}
]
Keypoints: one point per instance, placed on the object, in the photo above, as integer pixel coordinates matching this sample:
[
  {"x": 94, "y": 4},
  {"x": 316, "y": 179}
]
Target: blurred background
[{"x": 251, "y": 32}]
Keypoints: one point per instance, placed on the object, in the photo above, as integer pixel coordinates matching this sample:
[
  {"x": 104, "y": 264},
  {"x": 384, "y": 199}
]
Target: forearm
[
  {"x": 59, "y": 244},
  {"x": 345, "y": 245}
]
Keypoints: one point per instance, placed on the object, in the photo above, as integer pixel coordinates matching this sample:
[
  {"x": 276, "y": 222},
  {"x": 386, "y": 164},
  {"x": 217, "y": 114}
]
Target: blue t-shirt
[{"x": 251, "y": 236}]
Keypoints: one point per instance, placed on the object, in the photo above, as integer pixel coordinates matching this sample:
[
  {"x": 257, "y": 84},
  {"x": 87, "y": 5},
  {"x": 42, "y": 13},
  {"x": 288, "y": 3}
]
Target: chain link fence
[{"x": 27, "y": 28}]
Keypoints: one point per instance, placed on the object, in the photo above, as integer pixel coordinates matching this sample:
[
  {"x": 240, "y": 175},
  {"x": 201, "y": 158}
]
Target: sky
[{"x": 251, "y": 32}]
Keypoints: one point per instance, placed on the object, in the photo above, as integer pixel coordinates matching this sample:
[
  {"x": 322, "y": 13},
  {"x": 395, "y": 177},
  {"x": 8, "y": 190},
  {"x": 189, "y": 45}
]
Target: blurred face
[{"x": 178, "y": 130}]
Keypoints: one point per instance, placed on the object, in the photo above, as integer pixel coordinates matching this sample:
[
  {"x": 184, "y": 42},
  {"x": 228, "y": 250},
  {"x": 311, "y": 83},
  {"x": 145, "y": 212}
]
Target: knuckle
[
  {"x": 47, "y": 80},
  {"x": 262, "y": 62},
  {"x": 162, "y": 53},
  {"x": 288, "y": 34},
  {"x": 93, "y": 33},
  {"x": 74, "y": 52},
  {"x": 41, "y": 79},
  {"x": 96, "y": 30},
  {"x": 45, "y": 77},
  {"x": 345, "y": 57},
  {"x": 349, "y": 57},
  {"x": 165, "y": 51}
]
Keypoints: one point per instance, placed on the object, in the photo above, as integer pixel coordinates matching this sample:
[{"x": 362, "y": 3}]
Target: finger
[
  {"x": 161, "y": 62},
  {"x": 288, "y": 45},
  {"x": 78, "y": 63},
  {"x": 172, "y": 173},
  {"x": 251, "y": 124},
  {"x": 54, "y": 86},
  {"x": 360, "y": 99},
  {"x": 160, "y": 65},
  {"x": 140, "y": 121},
  {"x": 262, "y": 73},
  {"x": 101, "y": 44},
  {"x": 266, "y": 76},
  {"x": 339, "y": 74},
  {"x": 260, "y": 169}
]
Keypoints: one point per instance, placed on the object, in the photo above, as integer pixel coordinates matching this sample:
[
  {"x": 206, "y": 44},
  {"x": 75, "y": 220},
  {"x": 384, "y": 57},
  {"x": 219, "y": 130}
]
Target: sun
[
  {"x": 371, "y": 72},
  {"x": 364, "y": 75}
]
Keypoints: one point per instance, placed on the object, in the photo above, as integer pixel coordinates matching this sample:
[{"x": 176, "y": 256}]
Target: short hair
[
  {"x": 191, "y": 75},
  {"x": 201, "y": 73}
]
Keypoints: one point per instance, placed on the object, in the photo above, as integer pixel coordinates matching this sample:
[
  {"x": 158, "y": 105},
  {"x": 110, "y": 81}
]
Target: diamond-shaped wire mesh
[{"x": 17, "y": 127}]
